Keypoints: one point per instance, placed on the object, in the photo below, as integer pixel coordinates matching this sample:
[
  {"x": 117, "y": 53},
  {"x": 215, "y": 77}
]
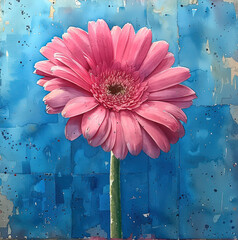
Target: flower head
[{"x": 116, "y": 87}]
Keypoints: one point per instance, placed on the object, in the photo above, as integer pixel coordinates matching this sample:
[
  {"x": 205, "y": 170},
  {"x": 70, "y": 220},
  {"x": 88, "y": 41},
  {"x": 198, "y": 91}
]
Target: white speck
[
  {"x": 17, "y": 211},
  {"x": 78, "y": 4},
  {"x": 194, "y": 10},
  {"x": 216, "y": 218},
  {"x": 146, "y": 214},
  {"x": 9, "y": 231}
]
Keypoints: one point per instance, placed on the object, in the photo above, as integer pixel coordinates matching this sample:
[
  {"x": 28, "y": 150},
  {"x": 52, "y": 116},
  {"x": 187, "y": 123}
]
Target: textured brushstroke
[
  {"x": 233, "y": 65},
  {"x": 235, "y": 2}
]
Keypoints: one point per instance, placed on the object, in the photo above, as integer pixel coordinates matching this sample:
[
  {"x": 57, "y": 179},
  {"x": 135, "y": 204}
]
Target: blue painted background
[{"x": 51, "y": 187}]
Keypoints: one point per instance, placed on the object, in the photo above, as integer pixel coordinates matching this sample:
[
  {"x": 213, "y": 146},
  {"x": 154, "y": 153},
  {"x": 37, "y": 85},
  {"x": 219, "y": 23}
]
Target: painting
[{"x": 54, "y": 184}]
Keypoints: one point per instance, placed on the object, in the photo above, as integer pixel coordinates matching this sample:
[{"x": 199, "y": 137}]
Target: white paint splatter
[
  {"x": 189, "y": 2},
  {"x": 78, "y": 4},
  {"x": 6, "y": 208},
  {"x": 234, "y": 112},
  {"x": 97, "y": 231},
  {"x": 194, "y": 10},
  {"x": 216, "y": 218},
  {"x": 208, "y": 50}
]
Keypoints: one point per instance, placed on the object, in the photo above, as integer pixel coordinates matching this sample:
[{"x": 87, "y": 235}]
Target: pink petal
[
  {"x": 81, "y": 37},
  {"x": 156, "y": 54},
  {"x": 182, "y": 104},
  {"x": 153, "y": 112},
  {"x": 129, "y": 45},
  {"x": 166, "y": 63},
  {"x": 38, "y": 72},
  {"x": 73, "y": 128},
  {"x": 127, "y": 35},
  {"x": 69, "y": 75},
  {"x": 132, "y": 132},
  {"x": 78, "y": 106},
  {"x": 41, "y": 82},
  {"x": 120, "y": 149},
  {"x": 169, "y": 108},
  {"x": 155, "y": 133},
  {"x": 75, "y": 49},
  {"x": 93, "y": 41},
  {"x": 168, "y": 78},
  {"x": 92, "y": 121},
  {"x": 102, "y": 133},
  {"x": 140, "y": 47},
  {"x": 44, "y": 68},
  {"x": 149, "y": 146},
  {"x": 75, "y": 66},
  {"x": 90, "y": 60},
  {"x": 48, "y": 53},
  {"x": 59, "y": 46},
  {"x": 115, "y": 32},
  {"x": 56, "y": 46},
  {"x": 51, "y": 110},
  {"x": 104, "y": 41},
  {"x": 55, "y": 83},
  {"x": 181, "y": 131},
  {"x": 59, "y": 97},
  {"x": 47, "y": 78},
  {"x": 173, "y": 136},
  {"x": 109, "y": 143},
  {"x": 184, "y": 99},
  {"x": 174, "y": 92}
]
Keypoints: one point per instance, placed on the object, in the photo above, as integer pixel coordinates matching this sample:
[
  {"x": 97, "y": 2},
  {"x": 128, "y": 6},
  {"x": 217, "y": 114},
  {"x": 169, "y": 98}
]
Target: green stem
[{"x": 115, "y": 198}]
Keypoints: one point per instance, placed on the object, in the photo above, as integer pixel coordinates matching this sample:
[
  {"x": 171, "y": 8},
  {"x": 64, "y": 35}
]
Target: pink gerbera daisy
[{"x": 117, "y": 88}]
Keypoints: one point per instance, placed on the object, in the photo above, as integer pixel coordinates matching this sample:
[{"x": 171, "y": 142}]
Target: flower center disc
[{"x": 116, "y": 89}]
